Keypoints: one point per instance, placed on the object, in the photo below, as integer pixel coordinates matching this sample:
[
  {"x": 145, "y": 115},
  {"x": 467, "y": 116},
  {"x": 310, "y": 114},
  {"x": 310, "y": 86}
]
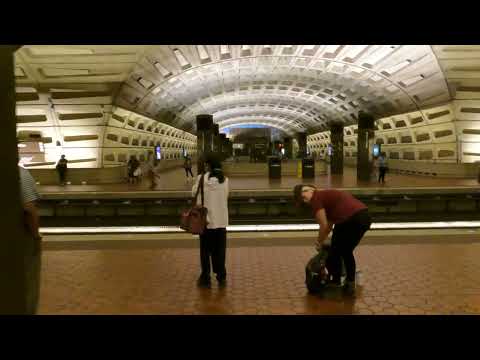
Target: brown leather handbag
[{"x": 194, "y": 220}]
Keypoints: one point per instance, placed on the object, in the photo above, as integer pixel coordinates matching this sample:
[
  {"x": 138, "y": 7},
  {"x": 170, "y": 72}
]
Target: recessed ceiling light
[
  {"x": 393, "y": 69},
  {"x": 65, "y": 72},
  {"x": 412, "y": 80},
  {"x": 202, "y": 52},
  {"x": 162, "y": 69},
  {"x": 331, "y": 49},
  {"x": 181, "y": 58},
  {"x": 354, "y": 51},
  {"x": 224, "y": 49},
  {"x": 379, "y": 54},
  {"x": 59, "y": 50},
  {"x": 145, "y": 83}
]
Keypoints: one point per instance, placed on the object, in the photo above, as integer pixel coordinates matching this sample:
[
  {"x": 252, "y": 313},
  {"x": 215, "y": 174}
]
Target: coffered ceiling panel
[
  {"x": 295, "y": 87},
  {"x": 304, "y": 86}
]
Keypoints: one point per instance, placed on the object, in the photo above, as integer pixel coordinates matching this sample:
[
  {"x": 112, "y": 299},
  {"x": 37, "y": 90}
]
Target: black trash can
[
  {"x": 308, "y": 168},
  {"x": 274, "y": 167}
]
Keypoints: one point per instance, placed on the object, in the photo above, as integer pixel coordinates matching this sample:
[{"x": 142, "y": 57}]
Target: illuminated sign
[{"x": 158, "y": 152}]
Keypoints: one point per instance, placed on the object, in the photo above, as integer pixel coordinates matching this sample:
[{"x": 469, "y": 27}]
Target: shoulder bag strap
[
  {"x": 198, "y": 190},
  {"x": 202, "y": 187}
]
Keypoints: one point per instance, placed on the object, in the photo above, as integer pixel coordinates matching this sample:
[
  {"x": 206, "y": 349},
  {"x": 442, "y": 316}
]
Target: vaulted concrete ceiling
[{"x": 290, "y": 87}]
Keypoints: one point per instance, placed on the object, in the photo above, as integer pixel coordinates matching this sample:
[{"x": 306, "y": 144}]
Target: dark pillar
[
  {"x": 229, "y": 146},
  {"x": 216, "y": 140},
  {"x": 302, "y": 145},
  {"x": 222, "y": 146},
  {"x": 336, "y": 138},
  {"x": 15, "y": 284},
  {"x": 287, "y": 144},
  {"x": 275, "y": 147},
  {"x": 365, "y": 140},
  {"x": 204, "y": 139}
]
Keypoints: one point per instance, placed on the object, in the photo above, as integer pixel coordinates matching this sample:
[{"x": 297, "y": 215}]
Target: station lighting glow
[
  {"x": 202, "y": 52},
  {"x": 393, "y": 69},
  {"x": 162, "y": 69},
  {"x": 257, "y": 228},
  {"x": 355, "y": 51},
  {"x": 331, "y": 48},
  {"x": 380, "y": 54}
]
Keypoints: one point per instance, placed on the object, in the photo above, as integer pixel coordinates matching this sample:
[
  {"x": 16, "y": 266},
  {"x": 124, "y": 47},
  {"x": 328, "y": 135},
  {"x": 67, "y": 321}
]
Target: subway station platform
[
  {"x": 414, "y": 272},
  {"x": 401, "y": 271},
  {"x": 175, "y": 180},
  {"x": 257, "y": 199}
]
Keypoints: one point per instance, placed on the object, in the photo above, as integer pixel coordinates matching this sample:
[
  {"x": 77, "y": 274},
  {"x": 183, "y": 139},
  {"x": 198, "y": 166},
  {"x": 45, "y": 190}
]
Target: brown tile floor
[
  {"x": 395, "y": 279},
  {"x": 175, "y": 180}
]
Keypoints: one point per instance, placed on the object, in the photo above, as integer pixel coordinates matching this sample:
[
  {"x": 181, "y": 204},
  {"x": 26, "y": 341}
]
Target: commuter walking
[
  {"x": 187, "y": 165},
  {"x": 382, "y": 167},
  {"x": 213, "y": 241},
  {"x": 349, "y": 219},
  {"x": 62, "y": 169}
]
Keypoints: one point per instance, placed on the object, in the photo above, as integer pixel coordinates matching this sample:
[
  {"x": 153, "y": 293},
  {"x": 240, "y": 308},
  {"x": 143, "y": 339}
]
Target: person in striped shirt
[
  {"x": 29, "y": 196},
  {"x": 33, "y": 240}
]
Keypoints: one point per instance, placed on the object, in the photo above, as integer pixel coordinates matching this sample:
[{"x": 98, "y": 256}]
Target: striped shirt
[{"x": 28, "y": 190}]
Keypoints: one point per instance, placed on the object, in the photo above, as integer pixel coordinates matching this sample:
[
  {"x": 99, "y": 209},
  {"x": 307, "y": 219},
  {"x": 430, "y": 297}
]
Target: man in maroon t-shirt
[{"x": 349, "y": 219}]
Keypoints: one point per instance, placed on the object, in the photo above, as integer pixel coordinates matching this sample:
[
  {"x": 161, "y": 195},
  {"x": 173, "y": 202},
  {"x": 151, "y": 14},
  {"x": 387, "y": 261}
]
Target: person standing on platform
[
  {"x": 187, "y": 165},
  {"x": 150, "y": 168},
  {"x": 29, "y": 196},
  {"x": 349, "y": 219},
  {"x": 62, "y": 169},
  {"x": 213, "y": 241},
  {"x": 382, "y": 167},
  {"x": 132, "y": 166}
]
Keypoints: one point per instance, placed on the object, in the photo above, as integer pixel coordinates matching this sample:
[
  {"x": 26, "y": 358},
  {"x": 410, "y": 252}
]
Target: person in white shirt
[
  {"x": 151, "y": 170},
  {"x": 213, "y": 241}
]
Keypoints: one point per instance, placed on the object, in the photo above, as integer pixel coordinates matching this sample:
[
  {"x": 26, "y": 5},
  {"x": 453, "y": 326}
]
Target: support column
[
  {"x": 229, "y": 147},
  {"x": 222, "y": 146},
  {"x": 336, "y": 138},
  {"x": 15, "y": 264},
  {"x": 302, "y": 145},
  {"x": 366, "y": 134},
  {"x": 216, "y": 140},
  {"x": 287, "y": 144},
  {"x": 204, "y": 139}
]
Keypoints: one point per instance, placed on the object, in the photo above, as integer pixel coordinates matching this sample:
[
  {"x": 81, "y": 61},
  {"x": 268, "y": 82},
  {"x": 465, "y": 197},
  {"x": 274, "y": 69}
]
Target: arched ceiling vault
[{"x": 291, "y": 87}]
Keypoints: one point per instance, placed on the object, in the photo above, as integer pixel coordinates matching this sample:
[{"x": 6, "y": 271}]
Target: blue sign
[{"x": 158, "y": 152}]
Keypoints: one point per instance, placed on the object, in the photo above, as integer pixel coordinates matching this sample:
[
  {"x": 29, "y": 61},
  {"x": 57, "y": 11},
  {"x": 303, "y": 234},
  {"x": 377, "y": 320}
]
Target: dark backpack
[
  {"x": 62, "y": 164},
  {"x": 316, "y": 274}
]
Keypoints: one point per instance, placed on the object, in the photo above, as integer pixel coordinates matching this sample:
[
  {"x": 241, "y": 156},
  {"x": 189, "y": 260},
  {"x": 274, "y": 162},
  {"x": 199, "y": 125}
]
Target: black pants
[
  {"x": 381, "y": 176},
  {"x": 62, "y": 174},
  {"x": 188, "y": 170},
  {"x": 345, "y": 238},
  {"x": 32, "y": 265},
  {"x": 213, "y": 244}
]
